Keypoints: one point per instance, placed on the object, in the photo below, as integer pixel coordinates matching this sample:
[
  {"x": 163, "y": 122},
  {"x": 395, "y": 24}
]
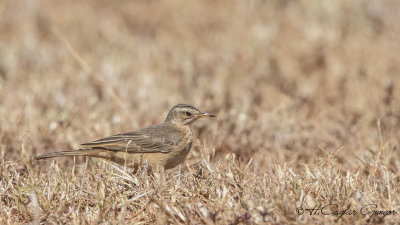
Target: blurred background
[{"x": 290, "y": 81}]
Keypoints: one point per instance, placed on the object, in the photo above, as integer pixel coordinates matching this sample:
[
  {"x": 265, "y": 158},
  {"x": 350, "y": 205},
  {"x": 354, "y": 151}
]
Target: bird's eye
[{"x": 188, "y": 114}]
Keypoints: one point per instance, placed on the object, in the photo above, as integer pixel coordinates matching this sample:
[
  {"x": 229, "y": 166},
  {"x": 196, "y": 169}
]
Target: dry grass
[{"x": 306, "y": 92}]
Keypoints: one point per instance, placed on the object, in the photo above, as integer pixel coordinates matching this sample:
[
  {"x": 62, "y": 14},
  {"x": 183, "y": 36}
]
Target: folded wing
[{"x": 157, "y": 138}]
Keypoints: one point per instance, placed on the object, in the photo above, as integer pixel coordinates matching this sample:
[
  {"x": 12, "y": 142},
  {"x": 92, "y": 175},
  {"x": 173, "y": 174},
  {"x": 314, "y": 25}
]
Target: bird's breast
[{"x": 177, "y": 156}]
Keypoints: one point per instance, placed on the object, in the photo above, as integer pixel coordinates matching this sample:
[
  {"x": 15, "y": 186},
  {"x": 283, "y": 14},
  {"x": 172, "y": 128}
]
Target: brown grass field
[{"x": 307, "y": 95}]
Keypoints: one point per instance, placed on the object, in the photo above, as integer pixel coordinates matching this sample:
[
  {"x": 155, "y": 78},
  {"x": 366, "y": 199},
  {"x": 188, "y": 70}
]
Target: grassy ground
[{"x": 306, "y": 93}]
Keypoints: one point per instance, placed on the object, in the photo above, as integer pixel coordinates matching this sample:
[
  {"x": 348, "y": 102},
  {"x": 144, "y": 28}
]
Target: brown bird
[{"x": 165, "y": 145}]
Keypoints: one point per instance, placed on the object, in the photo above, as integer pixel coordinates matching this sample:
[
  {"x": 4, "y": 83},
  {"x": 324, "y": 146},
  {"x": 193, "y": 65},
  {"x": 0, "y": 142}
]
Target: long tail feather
[{"x": 81, "y": 152}]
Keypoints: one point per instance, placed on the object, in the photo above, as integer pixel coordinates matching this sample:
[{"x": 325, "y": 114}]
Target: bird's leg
[{"x": 143, "y": 170}]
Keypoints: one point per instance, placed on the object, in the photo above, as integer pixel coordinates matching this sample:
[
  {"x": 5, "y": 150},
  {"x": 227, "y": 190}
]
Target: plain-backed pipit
[{"x": 165, "y": 145}]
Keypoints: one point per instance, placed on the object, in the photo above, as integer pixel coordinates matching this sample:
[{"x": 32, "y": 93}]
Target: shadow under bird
[{"x": 164, "y": 145}]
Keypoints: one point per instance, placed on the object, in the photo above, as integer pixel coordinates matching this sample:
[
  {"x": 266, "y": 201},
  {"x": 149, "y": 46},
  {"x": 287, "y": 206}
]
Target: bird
[{"x": 163, "y": 145}]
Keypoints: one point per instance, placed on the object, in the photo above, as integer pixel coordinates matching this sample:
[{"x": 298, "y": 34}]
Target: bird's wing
[{"x": 157, "y": 138}]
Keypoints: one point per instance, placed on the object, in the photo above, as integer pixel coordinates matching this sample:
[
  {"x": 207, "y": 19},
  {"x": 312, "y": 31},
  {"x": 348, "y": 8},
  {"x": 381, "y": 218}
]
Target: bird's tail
[{"x": 80, "y": 152}]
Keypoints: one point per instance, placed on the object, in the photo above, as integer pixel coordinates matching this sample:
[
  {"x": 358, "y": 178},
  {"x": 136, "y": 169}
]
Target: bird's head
[{"x": 184, "y": 114}]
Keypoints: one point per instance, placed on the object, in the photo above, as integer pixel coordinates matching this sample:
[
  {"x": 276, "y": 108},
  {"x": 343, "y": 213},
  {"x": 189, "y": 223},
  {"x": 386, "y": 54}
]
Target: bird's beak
[{"x": 204, "y": 114}]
